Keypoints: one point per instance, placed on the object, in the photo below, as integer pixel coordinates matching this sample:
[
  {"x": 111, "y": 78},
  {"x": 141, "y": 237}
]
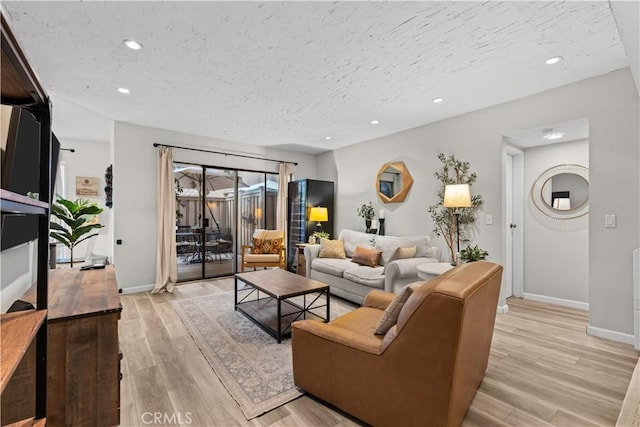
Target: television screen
[
  {"x": 21, "y": 172},
  {"x": 21, "y": 163}
]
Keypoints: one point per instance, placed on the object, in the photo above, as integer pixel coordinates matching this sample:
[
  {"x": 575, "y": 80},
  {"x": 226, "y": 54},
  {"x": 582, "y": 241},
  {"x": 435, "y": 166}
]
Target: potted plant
[
  {"x": 366, "y": 211},
  {"x": 453, "y": 171},
  {"x": 473, "y": 253},
  {"x": 317, "y": 235},
  {"x": 77, "y": 218}
]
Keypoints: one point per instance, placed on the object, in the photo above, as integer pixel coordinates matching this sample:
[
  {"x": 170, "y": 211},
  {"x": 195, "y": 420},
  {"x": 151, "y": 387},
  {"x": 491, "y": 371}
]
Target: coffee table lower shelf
[{"x": 275, "y": 315}]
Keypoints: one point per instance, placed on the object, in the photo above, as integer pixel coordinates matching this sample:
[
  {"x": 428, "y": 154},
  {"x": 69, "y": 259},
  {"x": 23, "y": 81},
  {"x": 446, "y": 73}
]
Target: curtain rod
[
  {"x": 155, "y": 144},
  {"x": 73, "y": 150}
]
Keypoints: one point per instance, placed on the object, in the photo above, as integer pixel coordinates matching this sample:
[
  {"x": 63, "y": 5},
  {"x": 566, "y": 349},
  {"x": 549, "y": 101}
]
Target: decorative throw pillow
[
  {"x": 409, "y": 252},
  {"x": 266, "y": 246},
  {"x": 401, "y": 253},
  {"x": 391, "y": 313},
  {"x": 365, "y": 256},
  {"x": 331, "y": 249}
]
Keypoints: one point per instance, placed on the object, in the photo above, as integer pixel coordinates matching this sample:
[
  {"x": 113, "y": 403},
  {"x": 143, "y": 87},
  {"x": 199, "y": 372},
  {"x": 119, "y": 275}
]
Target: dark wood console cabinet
[
  {"x": 83, "y": 357},
  {"x": 83, "y": 350}
]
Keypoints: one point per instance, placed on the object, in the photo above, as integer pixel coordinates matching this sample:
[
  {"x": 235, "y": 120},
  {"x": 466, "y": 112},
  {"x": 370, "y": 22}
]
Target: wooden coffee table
[{"x": 276, "y": 310}]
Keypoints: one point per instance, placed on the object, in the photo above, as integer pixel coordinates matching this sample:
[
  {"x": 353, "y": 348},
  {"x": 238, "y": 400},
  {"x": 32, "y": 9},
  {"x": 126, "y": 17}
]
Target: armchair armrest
[
  {"x": 378, "y": 299},
  {"x": 283, "y": 257},
  {"x": 367, "y": 344}
]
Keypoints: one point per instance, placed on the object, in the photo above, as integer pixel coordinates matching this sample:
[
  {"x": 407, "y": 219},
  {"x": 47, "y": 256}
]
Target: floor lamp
[{"x": 457, "y": 196}]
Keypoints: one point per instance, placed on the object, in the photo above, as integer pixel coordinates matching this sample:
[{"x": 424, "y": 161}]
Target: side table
[
  {"x": 301, "y": 267},
  {"x": 432, "y": 270}
]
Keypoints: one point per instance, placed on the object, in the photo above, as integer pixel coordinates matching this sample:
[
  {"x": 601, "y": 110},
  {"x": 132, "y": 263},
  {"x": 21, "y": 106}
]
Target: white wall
[
  {"x": 556, "y": 263},
  {"x": 134, "y": 189},
  {"x": 90, "y": 159},
  {"x": 18, "y": 271},
  {"x": 610, "y": 102}
]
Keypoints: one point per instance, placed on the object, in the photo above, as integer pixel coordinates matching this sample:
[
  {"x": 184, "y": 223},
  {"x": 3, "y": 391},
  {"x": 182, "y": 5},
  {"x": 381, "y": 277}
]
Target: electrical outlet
[
  {"x": 610, "y": 221},
  {"x": 489, "y": 219}
]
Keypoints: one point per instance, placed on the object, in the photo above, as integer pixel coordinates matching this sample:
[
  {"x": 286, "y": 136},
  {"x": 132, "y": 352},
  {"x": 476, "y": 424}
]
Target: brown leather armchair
[{"x": 425, "y": 371}]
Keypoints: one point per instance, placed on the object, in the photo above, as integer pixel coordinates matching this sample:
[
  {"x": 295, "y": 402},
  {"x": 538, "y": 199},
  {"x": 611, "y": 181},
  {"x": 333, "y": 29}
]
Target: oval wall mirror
[
  {"x": 562, "y": 192},
  {"x": 393, "y": 182},
  {"x": 565, "y": 191}
]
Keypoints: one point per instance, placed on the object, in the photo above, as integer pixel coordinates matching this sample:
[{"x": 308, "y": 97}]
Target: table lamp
[
  {"x": 319, "y": 215},
  {"x": 457, "y": 196}
]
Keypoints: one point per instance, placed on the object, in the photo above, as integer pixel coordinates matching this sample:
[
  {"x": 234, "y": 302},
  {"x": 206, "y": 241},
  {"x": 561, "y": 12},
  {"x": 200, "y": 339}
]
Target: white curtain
[
  {"x": 281, "y": 204},
  {"x": 166, "y": 258}
]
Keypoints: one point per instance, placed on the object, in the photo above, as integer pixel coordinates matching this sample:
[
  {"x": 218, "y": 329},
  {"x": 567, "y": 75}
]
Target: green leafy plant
[
  {"x": 473, "y": 253},
  {"x": 320, "y": 235},
  {"x": 453, "y": 171},
  {"x": 76, "y": 220},
  {"x": 366, "y": 211}
]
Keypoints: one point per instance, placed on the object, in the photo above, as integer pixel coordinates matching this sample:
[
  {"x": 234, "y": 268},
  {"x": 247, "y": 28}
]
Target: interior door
[{"x": 514, "y": 221}]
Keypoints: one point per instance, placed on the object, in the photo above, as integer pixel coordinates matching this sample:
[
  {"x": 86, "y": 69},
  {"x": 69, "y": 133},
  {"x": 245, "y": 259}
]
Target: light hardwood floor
[{"x": 543, "y": 370}]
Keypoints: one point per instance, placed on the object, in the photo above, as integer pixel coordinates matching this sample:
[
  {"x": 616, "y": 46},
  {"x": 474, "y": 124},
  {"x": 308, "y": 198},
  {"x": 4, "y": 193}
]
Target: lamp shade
[
  {"x": 319, "y": 214},
  {"x": 457, "y": 196}
]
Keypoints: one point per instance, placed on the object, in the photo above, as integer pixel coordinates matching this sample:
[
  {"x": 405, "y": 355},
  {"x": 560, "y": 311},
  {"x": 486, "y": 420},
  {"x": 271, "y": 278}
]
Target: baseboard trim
[
  {"x": 137, "y": 289},
  {"x": 503, "y": 309},
  {"x": 610, "y": 335},
  {"x": 558, "y": 301}
]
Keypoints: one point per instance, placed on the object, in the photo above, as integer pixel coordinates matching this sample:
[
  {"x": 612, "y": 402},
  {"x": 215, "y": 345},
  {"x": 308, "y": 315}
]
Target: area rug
[{"x": 255, "y": 369}]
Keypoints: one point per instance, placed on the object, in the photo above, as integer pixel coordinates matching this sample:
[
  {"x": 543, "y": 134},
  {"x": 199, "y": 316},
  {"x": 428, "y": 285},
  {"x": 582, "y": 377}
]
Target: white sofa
[{"x": 353, "y": 281}]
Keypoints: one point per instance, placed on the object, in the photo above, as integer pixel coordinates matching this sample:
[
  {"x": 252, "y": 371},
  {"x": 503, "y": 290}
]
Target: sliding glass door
[
  {"x": 217, "y": 211},
  {"x": 220, "y": 186},
  {"x": 256, "y": 204}
]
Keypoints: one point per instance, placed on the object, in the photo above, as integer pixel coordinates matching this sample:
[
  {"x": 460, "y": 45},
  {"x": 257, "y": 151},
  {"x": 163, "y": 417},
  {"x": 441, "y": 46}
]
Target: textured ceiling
[{"x": 288, "y": 74}]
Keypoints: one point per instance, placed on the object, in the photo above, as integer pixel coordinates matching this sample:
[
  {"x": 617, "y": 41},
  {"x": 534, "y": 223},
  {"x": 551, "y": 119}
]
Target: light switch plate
[
  {"x": 489, "y": 219},
  {"x": 610, "y": 221}
]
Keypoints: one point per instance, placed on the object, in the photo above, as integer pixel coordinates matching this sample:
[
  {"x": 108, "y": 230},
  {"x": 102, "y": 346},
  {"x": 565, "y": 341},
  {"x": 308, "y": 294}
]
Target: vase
[{"x": 367, "y": 223}]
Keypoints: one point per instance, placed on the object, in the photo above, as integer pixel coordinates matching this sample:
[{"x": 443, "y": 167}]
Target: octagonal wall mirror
[{"x": 393, "y": 182}]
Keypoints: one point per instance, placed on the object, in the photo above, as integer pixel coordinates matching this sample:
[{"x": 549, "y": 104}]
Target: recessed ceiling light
[
  {"x": 124, "y": 90},
  {"x": 375, "y": 122},
  {"x": 327, "y": 138},
  {"x": 132, "y": 44},
  {"x": 553, "y": 60},
  {"x": 437, "y": 100}
]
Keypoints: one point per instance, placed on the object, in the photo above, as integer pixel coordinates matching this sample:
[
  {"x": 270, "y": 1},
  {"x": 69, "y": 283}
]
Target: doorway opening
[{"x": 545, "y": 206}]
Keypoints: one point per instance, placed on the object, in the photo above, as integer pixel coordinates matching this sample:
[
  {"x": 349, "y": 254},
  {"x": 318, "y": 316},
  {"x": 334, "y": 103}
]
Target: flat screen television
[{"x": 21, "y": 171}]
